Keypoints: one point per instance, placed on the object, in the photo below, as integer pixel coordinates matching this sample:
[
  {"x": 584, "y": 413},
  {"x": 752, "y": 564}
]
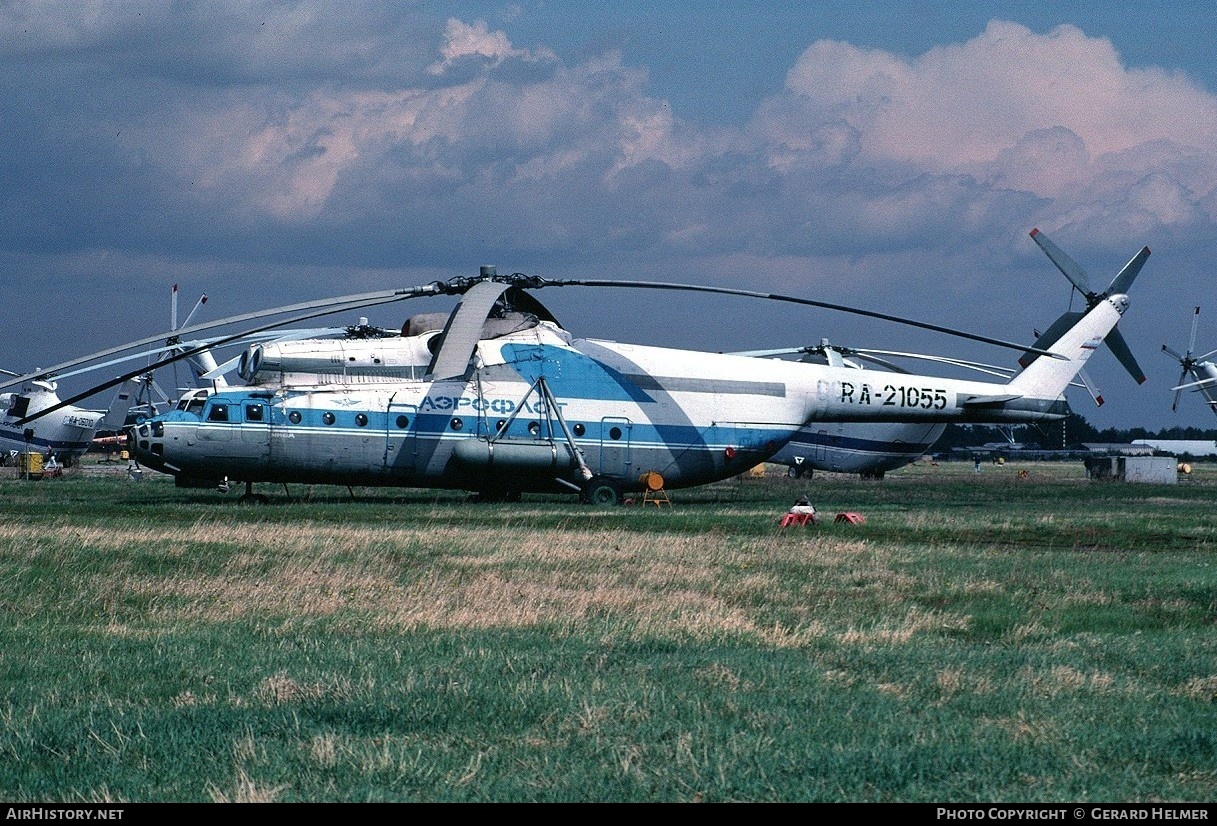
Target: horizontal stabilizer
[{"x": 988, "y": 401}]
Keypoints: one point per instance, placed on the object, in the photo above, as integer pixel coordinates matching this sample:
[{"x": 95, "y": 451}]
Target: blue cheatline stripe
[
  {"x": 804, "y": 437},
  {"x": 431, "y": 426}
]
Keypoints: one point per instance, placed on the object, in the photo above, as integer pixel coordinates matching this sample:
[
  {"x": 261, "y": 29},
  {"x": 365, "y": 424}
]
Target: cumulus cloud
[{"x": 1056, "y": 115}]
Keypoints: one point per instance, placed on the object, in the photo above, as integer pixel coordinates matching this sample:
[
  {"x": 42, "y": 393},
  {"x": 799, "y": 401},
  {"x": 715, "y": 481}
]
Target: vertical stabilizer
[{"x": 1047, "y": 378}]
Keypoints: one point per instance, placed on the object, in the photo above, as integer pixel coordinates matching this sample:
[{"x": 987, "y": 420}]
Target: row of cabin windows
[{"x": 257, "y": 413}]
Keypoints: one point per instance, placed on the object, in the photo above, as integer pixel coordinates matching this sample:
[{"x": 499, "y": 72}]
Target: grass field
[{"x": 982, "y": 637}]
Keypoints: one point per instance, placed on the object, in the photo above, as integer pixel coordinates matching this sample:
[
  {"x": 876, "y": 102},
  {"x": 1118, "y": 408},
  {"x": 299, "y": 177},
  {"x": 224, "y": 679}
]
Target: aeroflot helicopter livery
[{"x": 499, "y": 399}]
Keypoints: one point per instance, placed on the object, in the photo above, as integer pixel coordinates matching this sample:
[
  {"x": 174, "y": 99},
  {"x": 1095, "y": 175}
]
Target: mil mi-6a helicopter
[{"x": 499, "y": 399}]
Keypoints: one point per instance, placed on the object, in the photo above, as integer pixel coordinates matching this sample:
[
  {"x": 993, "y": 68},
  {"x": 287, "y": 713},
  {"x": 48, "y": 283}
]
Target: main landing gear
[
  {"x": 251, "y": 498},
  {"x": 602, "y": 491}
]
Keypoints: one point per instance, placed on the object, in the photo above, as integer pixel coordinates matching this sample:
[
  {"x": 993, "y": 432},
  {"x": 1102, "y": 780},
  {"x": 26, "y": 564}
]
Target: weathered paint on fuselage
[
  {"x": 858, "y": 447},
  {"x": 694, "y": 417},
  {"x": 66, "y": 433}
]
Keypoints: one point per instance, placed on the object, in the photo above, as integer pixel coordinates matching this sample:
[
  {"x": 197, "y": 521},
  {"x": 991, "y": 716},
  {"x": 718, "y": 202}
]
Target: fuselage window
[
  {"x": 615, "y": 433},
  {"x": 457, "y": 424},
  {"x": 253, "y": 413},
  {"x": 579, "y": 429},
  {"x": 218, "y": 413},
  {"x": 403, "y": 422},
  {"x": 534, "y": 428},
  {"x": 361, "y": 420},
  {"x": 328, "y": 418},
  {"x": 294, "y": 417}
]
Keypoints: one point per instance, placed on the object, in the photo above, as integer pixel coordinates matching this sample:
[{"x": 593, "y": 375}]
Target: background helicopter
[
  {"x": 509, "y": 401},
  {"x": 1203, "y": 372},
  {"x": 64, "y": 435}
]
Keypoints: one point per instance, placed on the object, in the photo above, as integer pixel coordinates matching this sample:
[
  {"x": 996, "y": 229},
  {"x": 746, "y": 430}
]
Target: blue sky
[{"x": 893, "y": 156}]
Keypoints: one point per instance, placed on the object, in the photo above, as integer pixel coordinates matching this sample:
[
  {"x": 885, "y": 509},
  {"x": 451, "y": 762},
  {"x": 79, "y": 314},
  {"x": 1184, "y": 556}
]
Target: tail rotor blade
[
  {"x": 1115, "y": 340},
  {"x": 1126, "y": 276},
  {"x": 1172, "y": 353},
  {"x": 1068, "y": 267}
]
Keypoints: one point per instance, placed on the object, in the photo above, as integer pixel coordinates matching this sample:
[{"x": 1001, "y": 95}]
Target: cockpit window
[
  {"x": 218, "y": 413},
  {"x": 192, "y": 405},
  {"x": 18, "y": 406},
  {"x": 253, "y": 413}
]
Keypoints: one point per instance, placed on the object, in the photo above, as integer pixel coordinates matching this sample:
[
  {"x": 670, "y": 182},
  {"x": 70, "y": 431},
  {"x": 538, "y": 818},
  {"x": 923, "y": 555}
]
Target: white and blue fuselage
[{"x": 615, "y": 410}]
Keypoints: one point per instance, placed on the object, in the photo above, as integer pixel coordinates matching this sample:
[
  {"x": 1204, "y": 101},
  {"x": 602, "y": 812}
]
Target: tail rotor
[
  {"x": 1119, "y": 285},
  {"x": 1189, "y": 364}
]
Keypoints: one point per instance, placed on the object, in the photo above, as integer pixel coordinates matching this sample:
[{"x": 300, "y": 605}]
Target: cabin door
[
  {"x": 615, "y": 447},
  {"x": 401, "y": 443},
  {"x": 255, "y": 429},
  {"x": 821, "y": 448}
]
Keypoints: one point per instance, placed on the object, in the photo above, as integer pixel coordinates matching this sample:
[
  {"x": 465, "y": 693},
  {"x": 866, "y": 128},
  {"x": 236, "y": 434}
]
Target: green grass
[{"x": 981, "y": 637}]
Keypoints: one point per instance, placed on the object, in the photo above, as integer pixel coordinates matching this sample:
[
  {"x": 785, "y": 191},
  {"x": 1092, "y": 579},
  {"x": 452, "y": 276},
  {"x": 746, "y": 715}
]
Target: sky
[{"x": 892, "y": 156}]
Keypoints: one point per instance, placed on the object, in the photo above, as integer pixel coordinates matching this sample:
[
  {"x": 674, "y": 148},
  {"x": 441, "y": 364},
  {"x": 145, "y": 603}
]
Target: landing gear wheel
[
  {"x": 602, "y": 491},
  {"x": 793, "y": 472},
  {"x": 251, "y": 498}
]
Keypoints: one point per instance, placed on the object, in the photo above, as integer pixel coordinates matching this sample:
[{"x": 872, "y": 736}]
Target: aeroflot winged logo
[{"x": 1093, "y": 344}]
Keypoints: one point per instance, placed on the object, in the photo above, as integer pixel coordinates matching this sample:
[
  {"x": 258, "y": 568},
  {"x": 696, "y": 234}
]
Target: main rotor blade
[
  {"x": 895, "y": 368},
  {"x": 1196, "y": 385},
  {"x": 399, "y": 295},
  {"x": 1119, "y": 347},
  {"x": 202, "y": 300},
  {"x": 1064, "y": 263},
  {"x": 808, "y": 302},
  {"x": 173, "y": 308},
  {"x": 1191, "y": 342},
  {"x": 322, "y": 307}
]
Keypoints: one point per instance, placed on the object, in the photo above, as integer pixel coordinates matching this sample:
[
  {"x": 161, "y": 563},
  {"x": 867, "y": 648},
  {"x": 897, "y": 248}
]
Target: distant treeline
[{"x": 1070, "y": 434}]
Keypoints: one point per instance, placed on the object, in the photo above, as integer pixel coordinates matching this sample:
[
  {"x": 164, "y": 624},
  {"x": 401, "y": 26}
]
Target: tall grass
[{"x": 980, "y": 637}]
